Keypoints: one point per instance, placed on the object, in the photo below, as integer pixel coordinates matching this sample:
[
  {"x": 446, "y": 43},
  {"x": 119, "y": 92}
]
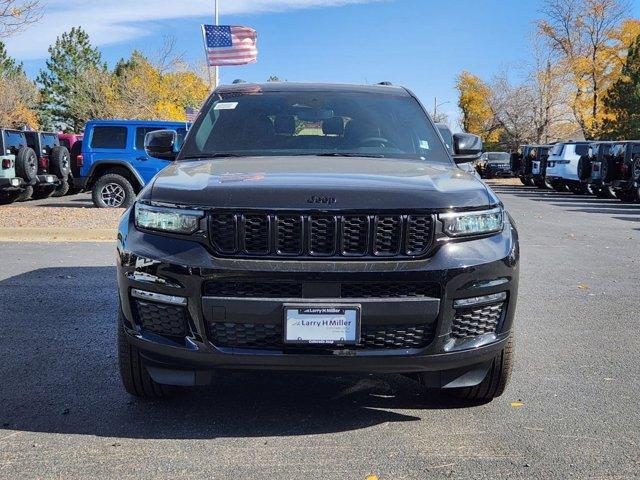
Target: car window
[
  {"x": 498, "y": 157},
  {"x": 312, "y": 123},
  {"x": 141, "y": 132},
  {"x": 13, "y": 141},
  {"x": 65, "y": 143},
  {"x": 109, "y": 137},
  {"x": 557, "y": 149},
  {"x": 48, "y": 141},
  {"x": 582, "y": 149},
  {"x": 635, "y": 150}
]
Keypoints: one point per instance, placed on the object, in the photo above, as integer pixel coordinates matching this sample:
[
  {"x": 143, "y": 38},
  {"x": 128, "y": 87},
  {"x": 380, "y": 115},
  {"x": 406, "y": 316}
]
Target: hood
[{"x": 312, "y": 182}]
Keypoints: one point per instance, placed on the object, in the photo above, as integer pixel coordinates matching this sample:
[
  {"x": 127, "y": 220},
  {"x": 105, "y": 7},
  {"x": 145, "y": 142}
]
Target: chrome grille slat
[{"x": 323, "y": 235}]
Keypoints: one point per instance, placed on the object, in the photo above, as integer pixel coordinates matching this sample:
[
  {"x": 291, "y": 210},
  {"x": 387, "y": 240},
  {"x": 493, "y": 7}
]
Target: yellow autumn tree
[
  {"x": 137, "y": 90},
  {"x": 591, "y": 38},
  {"x": 474, "y": 103}
]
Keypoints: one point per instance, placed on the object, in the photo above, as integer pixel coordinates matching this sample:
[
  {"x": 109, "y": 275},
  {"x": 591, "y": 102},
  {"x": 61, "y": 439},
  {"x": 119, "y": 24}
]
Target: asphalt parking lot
[{"x": 571, "y": 410}]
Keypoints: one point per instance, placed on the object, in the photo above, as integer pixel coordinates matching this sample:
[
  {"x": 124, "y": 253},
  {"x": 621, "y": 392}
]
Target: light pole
[{"x": 436, "y": 105}]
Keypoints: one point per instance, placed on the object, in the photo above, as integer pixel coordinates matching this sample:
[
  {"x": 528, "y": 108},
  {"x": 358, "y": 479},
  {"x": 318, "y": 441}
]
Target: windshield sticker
[
  {"x": 225, "y": 106},
  {"x": 424, "y": 144}
]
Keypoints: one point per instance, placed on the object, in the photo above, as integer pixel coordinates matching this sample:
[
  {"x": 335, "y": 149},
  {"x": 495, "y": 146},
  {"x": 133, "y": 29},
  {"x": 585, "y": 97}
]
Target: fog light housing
[
  {"x": 481, "y": 300},
  {"x": 158, "y": 297}
]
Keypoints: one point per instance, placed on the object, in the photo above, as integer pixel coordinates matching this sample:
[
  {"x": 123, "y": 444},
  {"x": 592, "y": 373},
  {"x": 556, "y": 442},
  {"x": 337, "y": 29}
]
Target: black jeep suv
[{"x": 322, "y": 228}]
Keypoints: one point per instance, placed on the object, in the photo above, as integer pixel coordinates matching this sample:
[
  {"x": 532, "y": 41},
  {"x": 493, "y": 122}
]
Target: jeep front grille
[{"x": 310, "y": 235}]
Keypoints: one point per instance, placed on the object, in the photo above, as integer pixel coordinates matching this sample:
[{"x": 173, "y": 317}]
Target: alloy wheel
[{"x": 112, "y": 195}]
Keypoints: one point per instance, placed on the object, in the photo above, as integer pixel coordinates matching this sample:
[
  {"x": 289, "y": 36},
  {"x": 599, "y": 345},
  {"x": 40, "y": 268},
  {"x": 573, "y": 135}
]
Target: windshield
[
  {"x": 315, "y": 123},
  {"x": 498, "y": 157}
]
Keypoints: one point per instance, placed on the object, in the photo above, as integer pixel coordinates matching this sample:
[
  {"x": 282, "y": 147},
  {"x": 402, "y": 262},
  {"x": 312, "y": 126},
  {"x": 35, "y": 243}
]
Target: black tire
[
  {"x": 27, "y": 165},
  {"x": 7, "y": 198},
  {"x": 135, "y": 377},
  {"x": 584, "y": 168},
  {"x": 42, "y": 192},
  {"x": 26, "y": 194},
  {"x": 635, "y": 169},
  {"x": 560, "y": 187},
  {"x": 496, "y": 380},
  {"x": 72, "y": 190},
  {"x": 62, "y": 189},
  {"x": 577, "y": 188},
  {"x": 60, "y": 162},
  {"x": 112, "y": 190},
  {"x": 606, "y": 192},
  {"x": 627, "y": 196},
  {"x": 607, "y": 169}
]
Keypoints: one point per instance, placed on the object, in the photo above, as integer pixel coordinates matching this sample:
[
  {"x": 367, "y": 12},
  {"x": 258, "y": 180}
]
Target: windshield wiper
[
  {"x": 213, "y": 155},
  {"x": 338, "y": 154}
]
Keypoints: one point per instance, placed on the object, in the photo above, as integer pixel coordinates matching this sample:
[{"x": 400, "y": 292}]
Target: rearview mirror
[
  {"x": 161, "y": 144},
  {"x": 466, "y": 147}
]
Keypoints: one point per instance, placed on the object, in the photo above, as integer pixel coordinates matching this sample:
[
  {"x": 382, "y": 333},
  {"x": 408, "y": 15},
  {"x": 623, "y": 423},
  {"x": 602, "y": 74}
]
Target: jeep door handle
[{"x": 142, "y": 159}]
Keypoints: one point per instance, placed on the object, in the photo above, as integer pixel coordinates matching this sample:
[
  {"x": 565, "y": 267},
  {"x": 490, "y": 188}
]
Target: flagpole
[{"x": 216, "y": 72}]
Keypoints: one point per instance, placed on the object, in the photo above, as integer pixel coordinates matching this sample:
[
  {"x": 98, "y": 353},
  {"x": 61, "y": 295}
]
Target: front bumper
[{"x": 183, "y": 268}]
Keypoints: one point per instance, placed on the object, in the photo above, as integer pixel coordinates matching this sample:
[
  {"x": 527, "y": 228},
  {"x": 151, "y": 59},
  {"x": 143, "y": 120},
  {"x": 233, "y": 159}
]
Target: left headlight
[
  {"x": 172, "y": 220},
  {"x": 463, "y": 224}
]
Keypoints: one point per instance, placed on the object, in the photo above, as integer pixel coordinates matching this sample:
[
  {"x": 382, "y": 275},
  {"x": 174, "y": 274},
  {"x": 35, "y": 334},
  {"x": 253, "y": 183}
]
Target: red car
[{"x": 73, "y": 142}]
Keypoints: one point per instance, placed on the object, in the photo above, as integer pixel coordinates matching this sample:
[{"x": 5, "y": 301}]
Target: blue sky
[{"x": 422, "y": 44}]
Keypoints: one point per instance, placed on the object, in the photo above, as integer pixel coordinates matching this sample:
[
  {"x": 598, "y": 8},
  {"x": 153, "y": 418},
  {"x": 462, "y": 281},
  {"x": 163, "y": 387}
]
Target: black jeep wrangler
[
  {"x": 19, "y": 160},
  {"x": 321, "y": 228},
  {"x": 53, "y": 159},
  {"x": 622, "y": 170}
]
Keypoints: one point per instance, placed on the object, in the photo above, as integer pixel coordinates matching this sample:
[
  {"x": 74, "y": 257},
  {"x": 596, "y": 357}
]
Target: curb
[{"x": 58, "y": 235}]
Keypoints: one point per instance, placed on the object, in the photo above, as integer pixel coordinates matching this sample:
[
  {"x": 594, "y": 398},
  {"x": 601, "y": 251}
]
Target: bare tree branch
[{"x": 15, "y": 15}]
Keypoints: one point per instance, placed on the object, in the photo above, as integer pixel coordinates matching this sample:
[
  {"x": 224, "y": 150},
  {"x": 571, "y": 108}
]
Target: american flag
[
  {"x": 191, "y": 114},
  {"x": 230, "y": 45}
]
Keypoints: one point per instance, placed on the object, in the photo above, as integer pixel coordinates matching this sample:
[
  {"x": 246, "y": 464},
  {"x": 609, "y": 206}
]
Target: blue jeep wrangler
[{"x": 115, "y": 166}]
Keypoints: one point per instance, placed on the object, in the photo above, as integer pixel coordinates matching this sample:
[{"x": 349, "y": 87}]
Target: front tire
[
  {"x": 495, "y": 381},
  {"x": 113, "y": 191},
  {"x": 135, "y": 377}
]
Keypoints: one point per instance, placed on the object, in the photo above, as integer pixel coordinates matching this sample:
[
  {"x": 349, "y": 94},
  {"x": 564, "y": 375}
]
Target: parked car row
[
  {"x": 608, "y": 169},
  {"x": 34, "y": 165},
  {"x": 108, "y": 160}
]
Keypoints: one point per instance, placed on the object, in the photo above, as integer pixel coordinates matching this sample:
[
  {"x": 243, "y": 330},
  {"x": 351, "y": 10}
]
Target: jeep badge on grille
[{"x": 323, "y": 200}]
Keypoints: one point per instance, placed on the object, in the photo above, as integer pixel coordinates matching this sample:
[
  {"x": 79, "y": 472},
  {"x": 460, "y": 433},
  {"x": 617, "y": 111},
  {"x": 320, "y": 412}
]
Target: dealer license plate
[{"x": 325, "y": 325}]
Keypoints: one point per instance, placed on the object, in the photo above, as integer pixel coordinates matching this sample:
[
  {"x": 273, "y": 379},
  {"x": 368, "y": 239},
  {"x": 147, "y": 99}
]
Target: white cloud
[{"x": 112, "y": 21}]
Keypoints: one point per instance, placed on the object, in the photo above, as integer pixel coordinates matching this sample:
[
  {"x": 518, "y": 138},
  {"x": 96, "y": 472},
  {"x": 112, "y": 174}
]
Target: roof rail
[
  {"x": 387, "y": 84},
  {"x": 238, "y": 80}
]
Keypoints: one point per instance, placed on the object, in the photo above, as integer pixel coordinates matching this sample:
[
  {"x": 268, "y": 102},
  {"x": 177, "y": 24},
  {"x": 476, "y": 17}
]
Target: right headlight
[
  {"x": 172, "y": 220},
  {"x": 464, "y": 224}
]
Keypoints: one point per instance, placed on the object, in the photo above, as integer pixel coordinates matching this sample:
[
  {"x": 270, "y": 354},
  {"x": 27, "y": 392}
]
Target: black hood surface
[{"x": 317, "y": 182}]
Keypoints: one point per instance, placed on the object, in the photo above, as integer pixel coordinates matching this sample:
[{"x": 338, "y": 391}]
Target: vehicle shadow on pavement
[{"x": 59, "y": 375}]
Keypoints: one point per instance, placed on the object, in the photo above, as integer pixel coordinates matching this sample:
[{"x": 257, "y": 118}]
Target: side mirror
[
  {"x": 161, "y": 144},
  {"x": 466, "y": 147}
]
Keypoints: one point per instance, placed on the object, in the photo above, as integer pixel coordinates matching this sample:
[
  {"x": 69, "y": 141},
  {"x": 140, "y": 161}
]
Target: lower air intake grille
[
  {"x": 477, "y": 321},
  {"x": 253, "y": 289},
  {"x": 373, "y": 337},
  {"x": 293, "y": 289},
  {"x": 168, "y": 320}
]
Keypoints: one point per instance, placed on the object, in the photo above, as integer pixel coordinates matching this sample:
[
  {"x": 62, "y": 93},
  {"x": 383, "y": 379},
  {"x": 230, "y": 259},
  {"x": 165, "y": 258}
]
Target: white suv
[{"x": 562, "y": 167}]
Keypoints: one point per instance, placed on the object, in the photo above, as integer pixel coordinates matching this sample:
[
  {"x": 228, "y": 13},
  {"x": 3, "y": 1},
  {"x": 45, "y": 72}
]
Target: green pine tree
[
  {"x": 72, "y": 53},
  {"x": 623, "y": 99},
  {"x": 8, "y": 66}
]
